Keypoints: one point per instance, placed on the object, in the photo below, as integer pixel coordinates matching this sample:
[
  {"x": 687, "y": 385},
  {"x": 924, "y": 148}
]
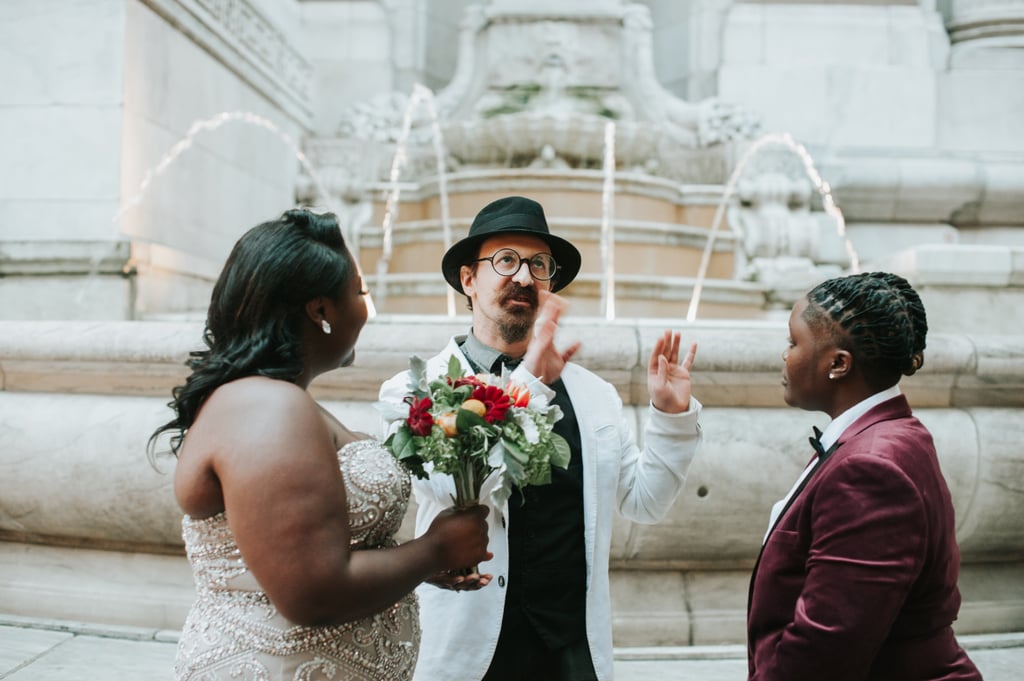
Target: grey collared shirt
[{"x": 480, "y": 355}]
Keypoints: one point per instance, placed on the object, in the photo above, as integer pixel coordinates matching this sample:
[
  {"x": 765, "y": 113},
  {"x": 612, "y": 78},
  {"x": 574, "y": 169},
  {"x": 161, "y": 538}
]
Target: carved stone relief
[
  {"x": 252, "y": 32},
  {"x": 783, "y": 242},
  {"x": 536, "y": 89}
]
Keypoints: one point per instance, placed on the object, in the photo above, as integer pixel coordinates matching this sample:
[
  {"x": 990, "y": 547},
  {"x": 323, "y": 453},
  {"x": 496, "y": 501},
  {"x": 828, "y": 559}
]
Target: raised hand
[
  {"x": 668, "y": 379},
  {"x": 542, "y": 358}
]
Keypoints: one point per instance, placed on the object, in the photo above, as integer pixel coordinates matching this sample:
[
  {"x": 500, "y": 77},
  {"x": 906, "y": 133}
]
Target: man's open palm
[{"x": 668, "y": 379}]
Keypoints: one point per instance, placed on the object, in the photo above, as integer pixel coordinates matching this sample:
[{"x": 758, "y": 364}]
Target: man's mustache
[{"x": 514, "y": 290}]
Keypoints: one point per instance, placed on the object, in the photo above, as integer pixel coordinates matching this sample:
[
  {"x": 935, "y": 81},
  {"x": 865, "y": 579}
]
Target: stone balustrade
[{"x": 89, "y": 528}]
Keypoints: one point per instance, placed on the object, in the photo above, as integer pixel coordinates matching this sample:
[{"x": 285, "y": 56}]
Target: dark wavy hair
[
  {"x": 257, "y": 308},
  {"x": 876, "y": 316}
]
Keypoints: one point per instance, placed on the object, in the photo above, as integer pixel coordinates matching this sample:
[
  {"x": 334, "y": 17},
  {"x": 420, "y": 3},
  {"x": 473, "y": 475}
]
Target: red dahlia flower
[
  {"x": 496, "y": 401},
  {"x": 420, "y": 421}
]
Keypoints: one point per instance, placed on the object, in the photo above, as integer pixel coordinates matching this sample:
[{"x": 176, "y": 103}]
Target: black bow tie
[
  {"x": 815, "y": 441},
  {"x": 510, "y": 362}
]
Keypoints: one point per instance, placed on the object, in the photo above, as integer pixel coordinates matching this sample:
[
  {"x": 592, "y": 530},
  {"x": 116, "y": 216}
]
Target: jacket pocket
[{"x": 783, "y": 568}]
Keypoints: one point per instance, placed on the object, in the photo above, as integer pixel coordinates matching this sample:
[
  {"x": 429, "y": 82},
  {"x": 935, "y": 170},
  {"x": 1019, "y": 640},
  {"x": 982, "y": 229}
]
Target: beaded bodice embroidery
[{"x": 233, "y": 631}]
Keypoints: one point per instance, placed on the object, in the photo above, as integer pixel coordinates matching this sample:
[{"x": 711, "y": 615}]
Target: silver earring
[
  {"x": 831, "y": 376},
  {"x": 326, "y": 326}
]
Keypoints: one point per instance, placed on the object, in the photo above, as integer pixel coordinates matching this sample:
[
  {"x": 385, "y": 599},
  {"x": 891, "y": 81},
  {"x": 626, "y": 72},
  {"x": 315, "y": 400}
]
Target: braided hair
[
  {"x": 254, "y": 324},
  {"x": 878, "y": 318}
]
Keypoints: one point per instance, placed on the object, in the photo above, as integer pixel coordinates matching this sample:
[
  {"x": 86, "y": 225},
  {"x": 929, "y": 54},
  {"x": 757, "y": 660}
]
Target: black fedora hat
[{"x": 511, "y": 215}]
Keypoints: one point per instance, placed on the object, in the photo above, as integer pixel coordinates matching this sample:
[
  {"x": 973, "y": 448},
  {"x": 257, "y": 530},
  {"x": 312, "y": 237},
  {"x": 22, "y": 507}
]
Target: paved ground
[{"x": 52, "y": 650}]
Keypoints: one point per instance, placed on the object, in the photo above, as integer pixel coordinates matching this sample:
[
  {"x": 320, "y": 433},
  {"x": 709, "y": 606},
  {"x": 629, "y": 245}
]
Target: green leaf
[
  {"x": 414, "y": 464},
  {"x": 496, "y": 454},
  {"x": 466, "y": 419},
  {"x": 554, "y": 413},
  {"x": 518, "y": 454},
  {"x": 541, "y": 476},
  {"x": 560, "y": 457},
  {"x": 515, "y": 470},
  {"x": 402, "y": 445},
  {"x": 418, "y": 377},
  {"x": 454, "y": 368}
]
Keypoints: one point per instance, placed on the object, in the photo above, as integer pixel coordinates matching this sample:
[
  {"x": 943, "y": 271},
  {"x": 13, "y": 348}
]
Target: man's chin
[{"x": 516, "y": 329}]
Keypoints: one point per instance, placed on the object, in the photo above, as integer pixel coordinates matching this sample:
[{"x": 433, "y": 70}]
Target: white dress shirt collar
[{"x": 845, "y": 420}]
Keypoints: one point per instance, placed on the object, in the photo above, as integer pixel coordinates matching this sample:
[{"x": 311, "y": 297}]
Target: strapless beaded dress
[{"x": 234, "y": 633}]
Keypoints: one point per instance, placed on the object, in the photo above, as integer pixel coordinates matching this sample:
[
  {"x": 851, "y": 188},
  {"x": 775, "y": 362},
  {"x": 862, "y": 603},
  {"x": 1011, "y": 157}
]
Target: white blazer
[{"x": 460, "y": 629}]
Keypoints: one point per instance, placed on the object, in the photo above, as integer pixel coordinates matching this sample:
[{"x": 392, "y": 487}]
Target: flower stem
[{"x": 467, "y": 493}]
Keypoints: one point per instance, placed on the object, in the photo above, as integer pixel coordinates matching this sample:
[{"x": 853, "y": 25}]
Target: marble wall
[
  {"x": 183, "y": 223},
  {"x": 90, "y": 530},
  {"x": 909, "y": 110},
  {"x": 60, "y": 90},
  {"x": 95, "y": 97}
]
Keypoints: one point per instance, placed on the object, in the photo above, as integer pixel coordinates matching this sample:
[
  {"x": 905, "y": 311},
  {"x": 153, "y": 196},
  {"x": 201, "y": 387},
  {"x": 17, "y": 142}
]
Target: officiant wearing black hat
[{"x": 547, "y": 611}]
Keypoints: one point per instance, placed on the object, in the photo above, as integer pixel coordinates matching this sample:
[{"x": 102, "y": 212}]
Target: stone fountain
[
  {"x": 89, "y": 530},
  {"x": 526, "y": 112}
]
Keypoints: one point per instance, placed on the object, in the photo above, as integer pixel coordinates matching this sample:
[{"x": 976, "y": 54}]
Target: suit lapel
[
  {"x": 822, "y": 460},
  {"x": 800, "y": 488}
]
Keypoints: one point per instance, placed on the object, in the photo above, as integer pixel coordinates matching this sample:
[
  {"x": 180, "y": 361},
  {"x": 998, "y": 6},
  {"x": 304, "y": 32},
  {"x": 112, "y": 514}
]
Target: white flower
[{"x": 527, "y": 425}]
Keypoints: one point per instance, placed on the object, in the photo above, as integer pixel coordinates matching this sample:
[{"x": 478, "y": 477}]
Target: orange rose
[{"x": 447, "y": 423}]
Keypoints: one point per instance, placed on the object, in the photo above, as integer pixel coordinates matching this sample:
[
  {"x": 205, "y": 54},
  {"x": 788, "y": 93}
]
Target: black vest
[{"x": 547, "y": 567}]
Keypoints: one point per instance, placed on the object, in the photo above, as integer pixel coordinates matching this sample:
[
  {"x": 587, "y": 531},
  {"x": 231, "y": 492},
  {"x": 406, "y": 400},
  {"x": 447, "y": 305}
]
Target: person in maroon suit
[{"x": 857, "y": 577}]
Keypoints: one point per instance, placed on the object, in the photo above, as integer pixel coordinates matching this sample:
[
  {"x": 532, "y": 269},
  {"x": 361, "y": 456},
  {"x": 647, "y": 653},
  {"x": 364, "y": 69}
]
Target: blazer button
[{"x": 501, "y": 581}]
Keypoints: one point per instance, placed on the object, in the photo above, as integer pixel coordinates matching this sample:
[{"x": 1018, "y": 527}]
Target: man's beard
[{"x": 515, "y": 324}]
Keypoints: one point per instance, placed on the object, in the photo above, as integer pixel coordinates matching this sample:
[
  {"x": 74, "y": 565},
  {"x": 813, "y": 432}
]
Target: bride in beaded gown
[
  {"x": 234, "y": 632},
  {"x": 289, "y": 517}
]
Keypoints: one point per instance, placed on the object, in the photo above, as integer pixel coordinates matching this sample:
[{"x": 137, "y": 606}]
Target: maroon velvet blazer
[{"x": 858, "y": 578}]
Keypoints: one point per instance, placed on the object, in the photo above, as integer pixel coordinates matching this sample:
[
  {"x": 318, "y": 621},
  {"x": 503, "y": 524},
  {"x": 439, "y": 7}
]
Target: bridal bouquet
[{"x": 471, "y": 427}]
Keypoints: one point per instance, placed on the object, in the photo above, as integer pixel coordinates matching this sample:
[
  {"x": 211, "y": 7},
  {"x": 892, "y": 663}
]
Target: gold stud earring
[{"x": 326, "y": 326}]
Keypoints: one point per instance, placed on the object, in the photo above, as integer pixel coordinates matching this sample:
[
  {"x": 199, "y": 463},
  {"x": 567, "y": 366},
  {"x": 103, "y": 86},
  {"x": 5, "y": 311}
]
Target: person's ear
[
  {"x": 316, "y": 310},
  {"x": 842, "y": 364},
  {"x": 466, "y": 277}
]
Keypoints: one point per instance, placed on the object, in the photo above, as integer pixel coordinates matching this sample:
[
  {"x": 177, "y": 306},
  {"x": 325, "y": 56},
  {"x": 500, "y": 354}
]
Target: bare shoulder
[
  {"x": 254, "y": 412},
  {"x": 249, "y": 434},
  {"x": 254, "y": 395}
]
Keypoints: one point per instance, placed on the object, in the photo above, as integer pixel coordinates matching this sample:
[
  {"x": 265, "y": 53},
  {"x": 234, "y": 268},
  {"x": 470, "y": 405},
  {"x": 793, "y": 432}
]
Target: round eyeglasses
[{"x": 507, "y": 262}]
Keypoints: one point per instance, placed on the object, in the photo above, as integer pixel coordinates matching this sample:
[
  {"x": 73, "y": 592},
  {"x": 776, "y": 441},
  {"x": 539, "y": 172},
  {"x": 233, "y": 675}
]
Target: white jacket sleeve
[{"x": 651, "y": 479}]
